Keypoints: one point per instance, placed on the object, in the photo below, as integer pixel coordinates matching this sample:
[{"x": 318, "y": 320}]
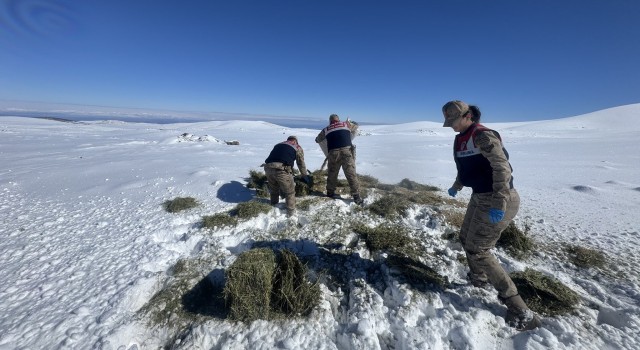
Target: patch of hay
[
  {"x": 390, "y": 206},
  {"x": 258, "y": 181},
  {"x": 292, "y": 293},
  {"x": 367, "y": 181},
  {"x": 249, "y": 283},
  {"x": 414, "y": 186},
  {"x": 250, "y": 209},
  {"x": 302, "y": 188},
  {"x": 515, "y": 241},
  {"x": 586, "y": 257},
  {"x": 386, "y": 236},
  {"x": 454, "y": 217},
  {"x": 543, "y": 294},
  {"x": 219, "y": 220},
  {"x": 261, "y": 285},
  {"x": 180, "y": 204},
  {"x": 416, "y": 273}
]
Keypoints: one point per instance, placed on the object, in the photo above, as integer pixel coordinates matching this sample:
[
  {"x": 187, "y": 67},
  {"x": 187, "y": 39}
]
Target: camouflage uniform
[
  {"x": 279, "y": 170},
  {"x": 492, "y": 189},
  {"x": 341, "y": 155}
]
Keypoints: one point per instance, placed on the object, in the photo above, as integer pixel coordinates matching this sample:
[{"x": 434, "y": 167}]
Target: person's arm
[
  {"x": 491, "y": 148},
  {"x": 300, "y": 162},
  {"x": 321, "y": 136}
]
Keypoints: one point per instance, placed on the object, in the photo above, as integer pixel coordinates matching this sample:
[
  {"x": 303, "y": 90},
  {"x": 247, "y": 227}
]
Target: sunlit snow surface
[{"x": 85, "y": 242}]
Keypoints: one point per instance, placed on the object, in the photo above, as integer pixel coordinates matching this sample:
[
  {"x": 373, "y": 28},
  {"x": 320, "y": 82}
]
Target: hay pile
[
  {"x": 385, "y": 236},
  {"x": 416, "y": 273},
  {"x": 219, "y": 220},
  {"x": 180, "y": 204},
  {"x": 263, "y": 285},
  {"x": 543, "y": 294},
  {"x": 586, "y": 257},
  {"x": 258, "y": 181},
  {"x": 515, "y": 241},
  {"x": 250, "y": 209}
]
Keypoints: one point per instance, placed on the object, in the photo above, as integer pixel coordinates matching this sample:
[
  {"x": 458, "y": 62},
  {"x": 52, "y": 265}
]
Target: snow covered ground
[{"x": 86, "y": 243}]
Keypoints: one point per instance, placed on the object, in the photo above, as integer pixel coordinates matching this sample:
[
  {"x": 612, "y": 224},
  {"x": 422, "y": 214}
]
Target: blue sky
[{"x": 374, "y": 61}]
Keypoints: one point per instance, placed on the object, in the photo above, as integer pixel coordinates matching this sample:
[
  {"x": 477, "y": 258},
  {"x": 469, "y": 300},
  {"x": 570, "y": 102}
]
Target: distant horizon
[{"x": 158, "y": 116}]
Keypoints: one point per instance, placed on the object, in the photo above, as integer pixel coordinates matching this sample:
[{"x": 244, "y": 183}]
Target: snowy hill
[{"x": 87, "y": 244}]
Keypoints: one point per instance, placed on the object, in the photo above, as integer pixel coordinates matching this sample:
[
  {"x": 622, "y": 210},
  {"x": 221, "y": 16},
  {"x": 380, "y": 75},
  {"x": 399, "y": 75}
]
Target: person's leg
[
  {"x": 288, "y": 187},
  {"x": 333, "y": 167},
  {"x": 349, "y": 167},
  {"x": 272, "y": 184}
]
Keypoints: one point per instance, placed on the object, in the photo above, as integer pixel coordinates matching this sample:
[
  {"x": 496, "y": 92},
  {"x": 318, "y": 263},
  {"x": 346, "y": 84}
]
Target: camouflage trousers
[
  {"x": 478, "y": 236},
  {"x": 342, "y": 157},
  {"x": 279, "y": 180}
]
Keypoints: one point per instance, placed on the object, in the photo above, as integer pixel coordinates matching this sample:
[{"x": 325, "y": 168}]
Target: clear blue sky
[{"x": 375, "y": 61}]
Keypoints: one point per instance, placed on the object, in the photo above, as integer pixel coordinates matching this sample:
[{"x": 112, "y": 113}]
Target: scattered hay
[
  {"x": 219, "y": 220},
  {"x": 258, "y": 181},
  {"x": 249, "y": 282},
  {"x": 367, "y": 181},
  {"x": 386, "y": 236},
  {"x": 454, "y": 217},
  {"x": 261, "y": 285},
  {"x": 414, "y": 186},
  {"x": 390, "y": 206},
  {"x": 586, "y": 257},
  {"x": 305, "y": 204},
  {"x": 250, "y": 209},
  {"x": 416, "y": 273},
  {"x": 544, "y": 294},
  {"x": 180, "y": 204},
  {"x": 515, "y": 241}
]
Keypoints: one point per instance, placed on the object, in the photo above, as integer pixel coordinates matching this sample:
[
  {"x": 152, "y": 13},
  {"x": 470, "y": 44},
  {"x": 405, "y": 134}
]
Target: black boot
[{"x": 518, "y": 314}]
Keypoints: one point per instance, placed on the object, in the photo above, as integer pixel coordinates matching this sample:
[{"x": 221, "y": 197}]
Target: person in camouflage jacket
[
  {"x": 483, "y": 164},
  {"x": 279, "y": 170}
]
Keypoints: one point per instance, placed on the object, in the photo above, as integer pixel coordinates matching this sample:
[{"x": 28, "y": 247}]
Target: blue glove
[
  {"x": 306, "y": 179},
  {"x": 452, "y": 192},
  {"x": 495, "y": 215}
]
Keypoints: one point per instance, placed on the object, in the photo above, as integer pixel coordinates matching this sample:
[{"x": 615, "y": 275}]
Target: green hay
[
  {"x": 390, "y": 206},
  {"x": 292, "y": 293},
  {"x": 180, "y": 204},
  {"x": 367, "y": 181},
  {"x": 416, "y": 273},
  {"x": 543, "y": 294},
  {"x": 250, "y": 209},
  {"x": 218, "y": 220},
  {"x": 414, "y": 186},
  {"x": 386, "y": 236},
  {"x": 261, "y": 285},
  {"x": 586, "y": 257},
  {"x": 305, "y": 204},
  {"x": 453, "y": 217},
  {"x": 249, "y": 282},
  {"x": 258, "y": 181},
  {"x": 515, "y": 241}
]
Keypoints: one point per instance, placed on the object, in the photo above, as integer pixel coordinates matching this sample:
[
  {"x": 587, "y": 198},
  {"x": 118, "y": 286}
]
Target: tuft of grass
[
  {"x": 219, "y": 220},
  {"x": 543, "y": 294},
  {"x": 250, "y": 209},
  {"x": 586, "y": 257},
  {"x": 179, "y": 204},
  {"x": 515, "y": 241},
  {"x": 258, "y": 181}
]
